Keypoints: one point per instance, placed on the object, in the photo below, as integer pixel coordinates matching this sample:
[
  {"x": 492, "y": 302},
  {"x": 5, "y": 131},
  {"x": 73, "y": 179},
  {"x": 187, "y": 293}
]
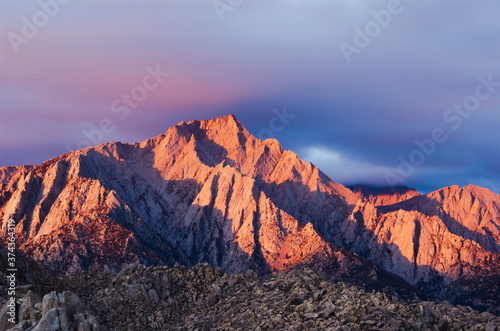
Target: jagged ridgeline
[{"x": 210, "y": 192}]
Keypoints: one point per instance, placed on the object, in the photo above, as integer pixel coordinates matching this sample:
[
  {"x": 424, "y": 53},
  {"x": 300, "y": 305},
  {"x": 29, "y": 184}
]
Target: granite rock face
[
  {"x": 203, "y": 192},
  {"x": 470, "y": 212},
  {"x": 210, "y": 192}
]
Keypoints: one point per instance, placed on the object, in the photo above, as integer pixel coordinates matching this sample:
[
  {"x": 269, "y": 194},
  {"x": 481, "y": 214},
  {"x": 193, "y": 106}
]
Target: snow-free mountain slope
[
  {"x": 205, "y": 191},
  {"x": 209, "y": 191},
  {"x": 470, "y": 212}
]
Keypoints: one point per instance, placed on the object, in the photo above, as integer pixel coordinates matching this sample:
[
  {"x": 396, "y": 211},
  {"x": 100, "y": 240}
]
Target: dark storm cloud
[{"x": 355, "y": 120}]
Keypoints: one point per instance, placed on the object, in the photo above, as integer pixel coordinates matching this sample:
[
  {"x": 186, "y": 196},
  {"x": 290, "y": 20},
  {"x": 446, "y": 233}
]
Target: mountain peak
[
  {"x": 209, "y": 191},
  {"x": 456, "y": 191},
  {"x": 219, "y": 129},
  {"x": 229, "y": 121},
  {"x": 225, "y": 119}
]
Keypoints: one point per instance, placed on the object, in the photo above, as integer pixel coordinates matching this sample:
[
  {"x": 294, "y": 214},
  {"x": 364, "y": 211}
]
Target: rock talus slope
[{"x": 203, "y": 298}]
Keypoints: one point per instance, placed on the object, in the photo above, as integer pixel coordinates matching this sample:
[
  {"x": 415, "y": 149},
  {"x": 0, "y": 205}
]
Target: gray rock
[
  {"x": 73, "y": 303},
  {"x": 21, "y": 326},
  {"x": 49, "y": 322},
  {"x": 23, "y": 312},
  {"x": 52, "y": 300},
  {"x": 327, "y": 311},
  {"x": 81, "y": 323},
  {"x": 153, "y": 297},
  {"x": 212, "y": 299},
  {"x": 491, "y": 327},
  {"x": 33, "y": 299},
  {"x": 64, "y": 319},
  {"x": 35, "y": 315},
  {"x": 311, "y": 316},
  {"x": 233, "y": 280},
  {"x": 94, "y": 325},
  {"x": 6, "y": 313},
  {"x": 22, "y": 290}
]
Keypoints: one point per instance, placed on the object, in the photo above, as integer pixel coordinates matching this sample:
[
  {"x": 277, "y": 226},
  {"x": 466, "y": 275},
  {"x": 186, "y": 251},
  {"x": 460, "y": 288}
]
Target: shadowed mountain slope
[
  {"x": 383, "y": 196},
  {"x": 209, "y": 191}
]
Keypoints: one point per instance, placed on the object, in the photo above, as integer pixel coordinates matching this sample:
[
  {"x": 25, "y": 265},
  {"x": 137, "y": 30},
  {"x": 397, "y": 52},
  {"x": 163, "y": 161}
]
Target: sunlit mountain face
[
  {"x": 210, "y": 192},
  {"x": 332, "y": 164}
]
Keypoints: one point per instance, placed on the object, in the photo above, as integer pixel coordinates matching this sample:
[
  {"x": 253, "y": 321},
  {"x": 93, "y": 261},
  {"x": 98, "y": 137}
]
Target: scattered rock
[
  {"x": 56, "y": 312},
  {"x": 203, "y": 298}
]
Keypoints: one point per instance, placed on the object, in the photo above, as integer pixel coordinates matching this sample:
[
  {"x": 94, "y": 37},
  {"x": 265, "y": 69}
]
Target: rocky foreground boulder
[
  {"x": 29, "y": 276},
  {"x": 204, "y": 298},
  {"x": 55, "y": 312}
]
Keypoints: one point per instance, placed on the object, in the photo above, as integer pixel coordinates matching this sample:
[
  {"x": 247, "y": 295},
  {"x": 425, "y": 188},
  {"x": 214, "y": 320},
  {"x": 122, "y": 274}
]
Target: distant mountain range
[
  {"x": 383, "y": 196},
  {"x": 209, "y": 191}
]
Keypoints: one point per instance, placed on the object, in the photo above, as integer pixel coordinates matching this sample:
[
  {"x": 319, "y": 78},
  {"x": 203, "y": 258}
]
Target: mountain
[
  {"x": 429, "y": 241},
  {"x": 383, "y": 196},
  {"x": 210, "y": 192},
  {"x": 470, "y": 212},
  {"x": 205, "y": 191}
]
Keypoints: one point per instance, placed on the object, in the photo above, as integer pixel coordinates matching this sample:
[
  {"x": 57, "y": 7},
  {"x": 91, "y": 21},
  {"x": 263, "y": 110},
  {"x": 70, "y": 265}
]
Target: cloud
[
  {"x": 344, "y": 168},
  {"x": 355, "y": 119}
]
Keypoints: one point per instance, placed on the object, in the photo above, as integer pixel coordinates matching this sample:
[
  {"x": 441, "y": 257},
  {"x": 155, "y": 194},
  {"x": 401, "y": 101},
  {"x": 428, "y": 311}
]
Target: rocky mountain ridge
[
  {"x": 383, "y": 196},
  {"x": 470, "y": 212},
  {"x": 210, "y": 192}
]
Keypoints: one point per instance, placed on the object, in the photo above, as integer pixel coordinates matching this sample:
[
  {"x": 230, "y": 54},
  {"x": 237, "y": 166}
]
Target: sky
[{"x": 376, "y": 92}]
